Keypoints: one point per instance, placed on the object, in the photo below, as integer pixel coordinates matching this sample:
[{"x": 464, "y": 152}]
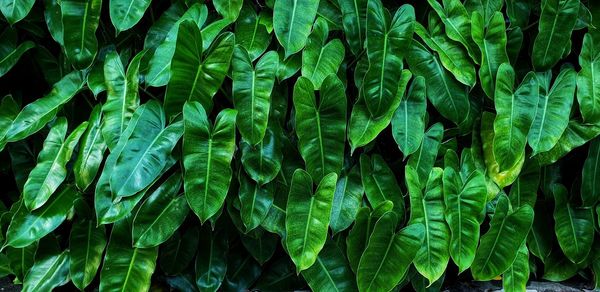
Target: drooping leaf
[
  {"x": 380, "y": 183},
  {"x": 321, "y": 125},
  {"x": 208, "y": 151},
  {"x": 10, "y": 53},
  {"x": 91, "y": 151},
  {"x": 331, "y": 271},
  {"x": 14, "y": 11},
  {"x": 501, "y": 178},
  {"x": 307, "y": 217},
  {"x": 588, "y": 79}
]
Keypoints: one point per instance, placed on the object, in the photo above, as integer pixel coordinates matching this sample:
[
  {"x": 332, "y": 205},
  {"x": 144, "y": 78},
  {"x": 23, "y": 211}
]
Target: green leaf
[
  {"x": 423, "y": 160},
  {"x": 206, "y": 73},
  {"x": 252, "y": 86},
  {"x": 588, "y": 80},
  {"x": 491, "y": 39},
  {"x": 307, "y": 217},
  {"x": 50, "y": 170},
  {"x": 10, "y": 53},
  {"x": 408, "y": 135},
  {"x": 260, "y": 244},
  {"x": 80, "y": 20},
  {"x": 21, "y": 260},
  {"x": 251, "y": 33},
  {"x": 452, "y": 54},
  {"x": 87, "y": 243},
  {"x": 124, "y": 14},
  {"x": 388, "y": 255},
  {"x": 229, "y": 9},
  {"x": 321, "y": 125},
  {"x": 514, "y": 115},
  {"x": 48, "y": 273},
  {"x": 347, "y": 199},
  {"x": 321, "y": 58},
  {"x": 541, "y": 238},
  {"x": 552, "y": 115},
  {"x": 427, "y": 208},
  {"x": 159, "y": 66},
  {"x": 380, "y": 183},
  {"x": 145, "y": 153},
  {"x": 387, "y": 41},
  {"x": 91, "y": 151},
  {"x": 524, "y": 189},
  {"x": 590, "y": 188},
  {"x": 211, "y": 264},
  {"x": 464, "y": 201},
  {"x": 363, "y": 128},
  {"x": 34, "y": 116},
  {"x": 292, "y": 20},
  {"x": 501, "y": 178},
  {"x": 126, "y": 268},
  {"x": 574, "y": 226},
  {"x": 159, "y": 216},
  {"x": 500, "y": 245},
  {"x": 14, "y": 10},
  {"x": 331, "y": 271},
  {"x": 354, "y": 17},
  {"x": 263, "y": 161},
  {"x": 255, "y": 201},
  {"x": 122, "y": 97},
  {"x": 207, "y": 154},
  {"x": 576, "y": 134},
  {"x": 556, "y": 23},
  {"x": 486, "y": 8},
  {"x": 27, "y": 227},
  {"x": 447, "y": 95},
  {"x": 516, "y": 277},
  {"x": 457, "y": 22}
]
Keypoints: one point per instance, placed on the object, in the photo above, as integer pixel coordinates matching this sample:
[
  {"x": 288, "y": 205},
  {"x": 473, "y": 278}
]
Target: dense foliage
[{"x": 336, "y": 145}]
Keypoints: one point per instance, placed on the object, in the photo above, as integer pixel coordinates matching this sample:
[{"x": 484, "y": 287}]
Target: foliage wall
[{"x": 332, "y": 145}]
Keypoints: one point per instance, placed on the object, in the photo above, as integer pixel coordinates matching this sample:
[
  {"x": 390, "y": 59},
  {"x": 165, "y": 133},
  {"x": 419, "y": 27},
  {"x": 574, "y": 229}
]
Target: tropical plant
[{"x": 277, "y": 145}]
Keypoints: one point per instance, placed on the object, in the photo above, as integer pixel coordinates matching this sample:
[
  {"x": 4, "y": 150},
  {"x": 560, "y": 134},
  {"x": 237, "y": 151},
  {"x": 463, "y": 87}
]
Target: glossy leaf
[
  {"x": 380, "y": 183},
  {"x": 251, "y": 33},
  {"x": 292, "y": 21},
  {"x": 80, "y": 20},
  {"x": 388, "y": 255},
  {"x": 499, "y": 247},
  {"x": 252, "y": 86},
  {"x": 347, "y": 199},
  {"x": 27, "y": 227},
  {"x": 263, "y": 161},
  {"x": 514, "y": 115},
  {"x": 124, "y": 14},
  {"x": 408, "y": 135},
  {"x": 14, "y": 11},
  {"x": 177, "y": 252},
  {"x": 386, "y": 41},
  {"x": 423, "y": 160},
  {"x": 491, "y": 39},
  {"x": 552, "y": 115},
  {"x": 590, "y": 182},
  {"x": 588, "y": 80},
  {"x": 228, "y": 8},
  {"x": 307, "y": 217},
  {"x": 86, "y": 244},
  {"x": 320, "y": 125},
  {"x": 574, "y": 226},
  {"x": 331, "y": 271},
  {"x": 91, "y": 151},
  {"x": 208, "y": 151},
  {"x": 126, "y": 268},
  {"x": 354, "y": 18},
  {"x": 255, "y": 201},
  {"x": 515, "y": 278},
  {"x": 554, "y": 32},
  {"x": 321, "y": 58},
  {"x": 48, "y": 273}
]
